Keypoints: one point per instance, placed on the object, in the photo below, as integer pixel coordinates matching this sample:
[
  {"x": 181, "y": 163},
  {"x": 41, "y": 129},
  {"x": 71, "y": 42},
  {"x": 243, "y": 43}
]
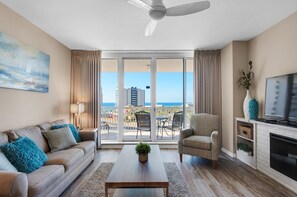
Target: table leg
[
  {"x": 106, "y": 192},
  {"x": 167, "y": 192}
]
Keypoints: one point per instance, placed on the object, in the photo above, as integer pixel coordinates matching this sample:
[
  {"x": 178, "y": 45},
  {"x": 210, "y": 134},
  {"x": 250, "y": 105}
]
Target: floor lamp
[{"x": 77, "y": 109}]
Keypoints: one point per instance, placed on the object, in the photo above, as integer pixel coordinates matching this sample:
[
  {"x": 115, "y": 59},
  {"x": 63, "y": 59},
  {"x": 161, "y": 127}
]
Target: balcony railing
[{"x": 109, "y": 119}]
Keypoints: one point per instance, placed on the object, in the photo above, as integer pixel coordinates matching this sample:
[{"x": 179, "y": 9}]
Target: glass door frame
[{"x": 153, "y": 56}]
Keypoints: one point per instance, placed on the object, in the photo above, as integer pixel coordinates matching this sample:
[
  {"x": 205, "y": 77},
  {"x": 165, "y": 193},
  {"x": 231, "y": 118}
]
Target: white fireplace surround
[{"x": 263, "y": 151}]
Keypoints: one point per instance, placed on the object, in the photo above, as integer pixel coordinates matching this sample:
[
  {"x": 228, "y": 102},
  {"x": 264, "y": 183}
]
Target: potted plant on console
[{"x": 143, "y": 149}]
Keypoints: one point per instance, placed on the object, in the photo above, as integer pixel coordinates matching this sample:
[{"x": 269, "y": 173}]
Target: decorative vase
[
  {"x": 246, "y": 105},
  {"x": 143, "y": 157},
  {"x": 253, "y": 109}
]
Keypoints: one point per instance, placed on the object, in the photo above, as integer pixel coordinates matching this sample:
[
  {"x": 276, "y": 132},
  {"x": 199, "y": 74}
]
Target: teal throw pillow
[
  {"x": 24, "y": 155},
  {"x": 5, "y": 164},
  {"x": 60, "y": 139},
  {"x": 73, "y": 129}
]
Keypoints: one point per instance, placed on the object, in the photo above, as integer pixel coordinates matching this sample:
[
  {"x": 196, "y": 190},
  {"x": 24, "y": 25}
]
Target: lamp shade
[{"x": 77, "y": 108}]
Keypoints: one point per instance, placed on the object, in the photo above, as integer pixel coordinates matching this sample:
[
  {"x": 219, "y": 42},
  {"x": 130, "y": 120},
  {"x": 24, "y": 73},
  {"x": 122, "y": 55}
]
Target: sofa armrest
[
  {"x": 88, "y": 135},
  {"x": 13, "y": 184},
  {"x": 185, "y": 133},
  {"x": 215, "y": 145}
]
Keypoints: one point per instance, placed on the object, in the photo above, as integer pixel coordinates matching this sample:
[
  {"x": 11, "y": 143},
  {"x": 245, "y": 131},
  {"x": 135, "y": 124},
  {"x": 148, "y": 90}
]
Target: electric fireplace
[{"x": 283, "y": 155}]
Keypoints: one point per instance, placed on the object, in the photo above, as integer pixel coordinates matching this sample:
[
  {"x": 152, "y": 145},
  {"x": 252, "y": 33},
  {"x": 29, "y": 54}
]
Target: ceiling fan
[{"x": 158, "y": 11}]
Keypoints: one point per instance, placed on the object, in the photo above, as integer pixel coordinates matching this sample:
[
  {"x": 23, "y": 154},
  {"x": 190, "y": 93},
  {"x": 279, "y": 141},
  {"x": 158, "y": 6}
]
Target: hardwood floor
[{"x": 231, "y": 178}]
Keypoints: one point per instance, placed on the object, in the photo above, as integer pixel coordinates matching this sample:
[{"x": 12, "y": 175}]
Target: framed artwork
[{"x": 22, "y": 67}]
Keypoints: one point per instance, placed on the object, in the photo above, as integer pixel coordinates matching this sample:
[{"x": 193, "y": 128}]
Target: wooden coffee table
[{"x": 129, "y": 172}]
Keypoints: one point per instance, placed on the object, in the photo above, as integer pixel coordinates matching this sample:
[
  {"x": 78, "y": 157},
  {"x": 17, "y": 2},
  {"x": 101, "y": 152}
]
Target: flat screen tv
[{"x": 281, "y": 98}]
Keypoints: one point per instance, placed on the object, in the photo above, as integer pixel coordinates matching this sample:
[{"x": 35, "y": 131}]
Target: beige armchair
[{"x": 202, "y": 138}]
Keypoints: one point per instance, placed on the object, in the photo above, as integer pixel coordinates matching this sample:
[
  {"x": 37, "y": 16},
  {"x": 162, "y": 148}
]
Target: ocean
[{"x": 173, "y": 104}]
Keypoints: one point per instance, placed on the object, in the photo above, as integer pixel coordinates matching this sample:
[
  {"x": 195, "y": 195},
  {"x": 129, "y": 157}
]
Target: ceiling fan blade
[
  {"x": 187, "y": 8},
  {"x": 140, "y": 4},
  {"x": 150, "y": 27}
]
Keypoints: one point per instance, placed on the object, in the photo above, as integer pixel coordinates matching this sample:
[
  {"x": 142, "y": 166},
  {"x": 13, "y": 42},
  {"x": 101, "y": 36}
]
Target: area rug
[{"x": 94, "y": 187}]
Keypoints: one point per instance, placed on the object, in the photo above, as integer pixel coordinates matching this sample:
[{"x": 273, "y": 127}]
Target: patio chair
[
  {"x": 105, "y": 125},
  {"x": 143, "y": 120},
  {"x": 176, "y": 124}
]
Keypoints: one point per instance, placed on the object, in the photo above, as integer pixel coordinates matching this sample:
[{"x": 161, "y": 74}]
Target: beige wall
[
  {"x": 22, "y": 108},
  {"x": 234, "y": 58},
  {"x": 274, "y": 52}
]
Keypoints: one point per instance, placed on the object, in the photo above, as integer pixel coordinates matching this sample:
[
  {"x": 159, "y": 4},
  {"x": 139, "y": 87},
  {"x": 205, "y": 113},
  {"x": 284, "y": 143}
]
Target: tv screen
[
  {"x": 276, "y": 98},
  {"x": 293, "y": 100}
]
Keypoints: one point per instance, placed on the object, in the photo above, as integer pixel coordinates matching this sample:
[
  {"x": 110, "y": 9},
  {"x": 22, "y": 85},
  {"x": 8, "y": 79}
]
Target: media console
[{"x": 274, "y": 150}]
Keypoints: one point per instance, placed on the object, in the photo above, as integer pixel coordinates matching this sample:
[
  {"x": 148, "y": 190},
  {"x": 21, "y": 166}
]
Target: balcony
[{"x": 109, "y": 123}]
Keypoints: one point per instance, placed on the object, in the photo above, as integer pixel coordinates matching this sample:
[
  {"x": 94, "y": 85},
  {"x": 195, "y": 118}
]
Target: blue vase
[{"x": 253, "y": 109}]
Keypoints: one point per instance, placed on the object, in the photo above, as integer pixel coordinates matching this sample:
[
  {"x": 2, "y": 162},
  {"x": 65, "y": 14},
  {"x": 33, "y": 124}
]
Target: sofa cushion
[
  {"x": 5, "y": 164},
  {"x": 196, "y": 141},
  {"x": 86, "y": 146},
  {"x": 72, "y": 128},
  {"x": 67, "y": 158},
  {"x": 3, "y": 138},
  {"x": 60, "y": 139},
  {"x": 45, "y": 126},
  {"x": 34, "y": 133},
  {"x": 58, "y": 122},
  {"x": 43, "y": 178},
  {"x": 24, "y": 154}
]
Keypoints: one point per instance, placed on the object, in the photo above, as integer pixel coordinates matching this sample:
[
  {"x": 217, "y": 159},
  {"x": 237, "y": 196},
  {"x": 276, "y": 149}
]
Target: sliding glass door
[
  {"x": 137, "y": 100},
  {"x": 108, "y": 99},
  {"x": 169, "y": 109},
  {"x": 147, "y": 99}
]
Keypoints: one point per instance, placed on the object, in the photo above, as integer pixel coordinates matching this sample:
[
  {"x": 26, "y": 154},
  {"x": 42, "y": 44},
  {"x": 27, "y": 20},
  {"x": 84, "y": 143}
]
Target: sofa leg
[
  {"x": 181, "y": 157},
  {"x": 214, "y": 164}
]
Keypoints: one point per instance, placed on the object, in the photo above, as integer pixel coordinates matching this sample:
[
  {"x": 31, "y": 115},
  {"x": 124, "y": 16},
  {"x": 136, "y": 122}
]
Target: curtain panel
[
  {"x": 207, "y": 81},
  {"x": 85, "y": 72}
]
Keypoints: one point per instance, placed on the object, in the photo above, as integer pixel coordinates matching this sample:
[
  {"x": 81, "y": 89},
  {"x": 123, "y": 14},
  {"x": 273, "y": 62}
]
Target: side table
[{"x": 98, "y": 140}]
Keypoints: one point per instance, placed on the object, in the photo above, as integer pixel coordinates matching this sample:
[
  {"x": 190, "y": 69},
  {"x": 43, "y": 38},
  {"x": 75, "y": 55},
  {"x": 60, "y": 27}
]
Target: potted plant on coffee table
[{"x": 143, "y": 149}]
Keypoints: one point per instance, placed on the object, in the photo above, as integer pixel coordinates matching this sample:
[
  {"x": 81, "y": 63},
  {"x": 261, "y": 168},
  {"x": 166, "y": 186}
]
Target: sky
[{"x": 169, "y": 85}]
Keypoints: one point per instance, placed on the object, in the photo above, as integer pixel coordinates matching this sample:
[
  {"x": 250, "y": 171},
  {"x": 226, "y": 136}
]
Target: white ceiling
[{"x": 117, "y": 25}]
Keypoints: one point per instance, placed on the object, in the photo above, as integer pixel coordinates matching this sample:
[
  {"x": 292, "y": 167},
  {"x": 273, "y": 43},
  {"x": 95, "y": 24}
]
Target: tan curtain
[
  {"x": 207, "y": 79},
  {"x": 85, "y": 70}
]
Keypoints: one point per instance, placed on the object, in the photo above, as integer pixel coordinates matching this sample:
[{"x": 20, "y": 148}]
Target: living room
[{"x": 116, "y": 83}]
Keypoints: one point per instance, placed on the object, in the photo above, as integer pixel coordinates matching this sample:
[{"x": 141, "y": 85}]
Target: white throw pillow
[{"x": 5, "y": 164}]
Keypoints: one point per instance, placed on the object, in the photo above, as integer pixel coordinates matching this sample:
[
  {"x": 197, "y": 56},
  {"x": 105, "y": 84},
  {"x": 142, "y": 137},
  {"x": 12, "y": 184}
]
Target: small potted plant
[
  {"x": 143, "y": 149},
  {"x": 245, "y": 148}
]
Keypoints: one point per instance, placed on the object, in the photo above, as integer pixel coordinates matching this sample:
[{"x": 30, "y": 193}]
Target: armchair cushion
[
  {"x": 185, "y": 133},
  {"x": 204, "y": 124},
  {"x": 196, "y": 141}
]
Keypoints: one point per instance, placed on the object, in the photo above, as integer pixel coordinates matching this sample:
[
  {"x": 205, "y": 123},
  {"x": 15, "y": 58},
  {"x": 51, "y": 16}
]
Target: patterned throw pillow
[
  {"x": 24, "y": 155},
  {"x": 60, "y": 139},
  {"x": 5, "y": 164},
  {"x": 73, "y": 129}
]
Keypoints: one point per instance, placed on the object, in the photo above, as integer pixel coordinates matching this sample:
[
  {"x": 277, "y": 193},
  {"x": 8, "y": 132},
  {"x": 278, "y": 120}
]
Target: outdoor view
[{"x": 137, "y": 98}]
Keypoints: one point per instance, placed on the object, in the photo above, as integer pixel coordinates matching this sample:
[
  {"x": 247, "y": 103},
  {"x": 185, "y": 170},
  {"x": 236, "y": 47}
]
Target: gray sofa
[{"x": 59, "y": 171}]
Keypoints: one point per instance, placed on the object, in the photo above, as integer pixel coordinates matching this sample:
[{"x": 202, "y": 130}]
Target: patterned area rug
[{"x": 95, "y": 185}]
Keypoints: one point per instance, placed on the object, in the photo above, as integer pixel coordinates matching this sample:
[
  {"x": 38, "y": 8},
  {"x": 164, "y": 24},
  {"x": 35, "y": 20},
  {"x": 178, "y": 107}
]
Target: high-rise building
[{"x": 132, "y": 96}]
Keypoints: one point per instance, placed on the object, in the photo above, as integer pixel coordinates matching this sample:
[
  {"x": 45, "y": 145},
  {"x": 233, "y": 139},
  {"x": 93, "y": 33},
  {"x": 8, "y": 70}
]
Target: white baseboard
[{"x": 228, "y": 152}]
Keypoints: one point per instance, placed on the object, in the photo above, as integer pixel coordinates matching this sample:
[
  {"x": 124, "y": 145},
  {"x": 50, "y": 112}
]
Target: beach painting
[{"x": 22, "y": 67}]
